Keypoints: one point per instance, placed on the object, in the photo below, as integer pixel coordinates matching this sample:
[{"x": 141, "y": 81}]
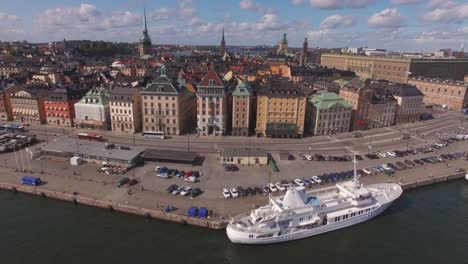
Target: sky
[{"x": 409, "y": 25}]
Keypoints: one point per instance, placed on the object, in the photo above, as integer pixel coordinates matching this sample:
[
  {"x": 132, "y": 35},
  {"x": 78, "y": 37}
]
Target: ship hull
[{"x": 241, "y": 237}]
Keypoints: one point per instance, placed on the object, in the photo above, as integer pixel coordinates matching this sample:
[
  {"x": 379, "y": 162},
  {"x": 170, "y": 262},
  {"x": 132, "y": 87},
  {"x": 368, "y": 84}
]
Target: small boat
[{"x": 466, "y": 176}]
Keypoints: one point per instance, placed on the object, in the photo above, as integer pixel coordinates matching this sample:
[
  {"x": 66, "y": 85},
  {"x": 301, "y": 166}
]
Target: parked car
[
  {"x": 177, "y": 191},
  {"x": 234, "y": 192},
  {"x": 188, "y": 173},
  {"x": 280, "y": 186},
  {"x": 191, "y": 179},
  {"x": 307, "y": 182},
  {"x": 316, "y": 179},
  {"x": 172, "y": 187},
  {"x": 180, "y": 174},
  {"x": 122, "y": 181},
  {"x": 460, "y": 170},
  {"x": 372, "y": 156},
  {"x": 241, "y": 191},
  {"x": 186, "y": 191},
  {"x": 401, "y": 165},
  {"x": 195, "y": 192},
  {"x": 272, "y": 187},
  {"x": 409, "y": 163},
  {"x": 257, "y": 190},
  {"x": 367, "y": 171},
  {"x": 391, "y": 154},
  {"x": 385, "y": 167},
  {"x": 383, "y": 154},
  {"x": 226, "y": 193},
  {"x": 359, "y": 157},
  {"x": 299, "y": 182},
  {"x": 196, "y": 174},
  {"x": 418, "y": 162},
  {"x": 132, "y": 182},
  {"x": 163, "y": 175},
  {"x": 265, "y": 189}
]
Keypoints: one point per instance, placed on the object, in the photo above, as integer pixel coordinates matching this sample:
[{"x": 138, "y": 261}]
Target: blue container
[
  {"x": 31, "y": 180},
  {"x": 192, "y": 211},
  {"x": 203, "y": 212}
]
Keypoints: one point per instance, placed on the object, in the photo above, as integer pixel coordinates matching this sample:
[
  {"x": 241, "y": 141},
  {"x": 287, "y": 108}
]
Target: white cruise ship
[{"x": 299, "y": 214}]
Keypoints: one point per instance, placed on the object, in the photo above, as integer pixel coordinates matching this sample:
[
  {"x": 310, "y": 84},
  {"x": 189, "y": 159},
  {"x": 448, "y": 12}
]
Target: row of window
[
  {"x": 168, "y": 129},
  {"x": 152, "y": 120},
  {"x": 121, "y": 118},
  {"x": 346, "y": 216},
  {"x": 120, "y": 111},
  {"x": 159, "y": 97},
  {"x": 159, "y": 105}
]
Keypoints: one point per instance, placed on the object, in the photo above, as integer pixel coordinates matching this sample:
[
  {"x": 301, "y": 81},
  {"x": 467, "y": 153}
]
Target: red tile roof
[{"x": 211, "y": 75}]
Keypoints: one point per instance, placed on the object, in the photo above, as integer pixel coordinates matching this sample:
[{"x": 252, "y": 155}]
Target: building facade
[
  {"x": 28, "y": 105},
  {"x": 242, "y": 109},
  {"x": 168, "y": 107},
  {"x": 371, "y": 108},
  {"x": 452, "y": 94},
  {"x": 93, "y": 111},
  {"x": 281, "y": 108},
  {"x": 409, "y": 101},
  {"x": 60, "y": 106},
  {"x": 212, "y": 105},
  {"x": 329, "y": 114},
  {"x": 397, "y": 69},
  {"x": 125, "y": 109}
]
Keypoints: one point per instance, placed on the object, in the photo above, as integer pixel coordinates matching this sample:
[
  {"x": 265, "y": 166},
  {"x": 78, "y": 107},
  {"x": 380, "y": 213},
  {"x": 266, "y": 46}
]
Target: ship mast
[{"x": 355, "y": 179}]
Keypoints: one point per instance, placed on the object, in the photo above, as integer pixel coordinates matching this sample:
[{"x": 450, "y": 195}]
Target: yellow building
[{"x": 281, "y": 107}]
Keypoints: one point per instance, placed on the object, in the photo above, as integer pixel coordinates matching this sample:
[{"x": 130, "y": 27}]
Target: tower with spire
[
  {"x": 144, "y": 48},
  {"x": 283, "y": 46},
  {"x": 305, "y": 48},
  {"x": 223, "y": 45},
  {"x": 461, "y": 54}
]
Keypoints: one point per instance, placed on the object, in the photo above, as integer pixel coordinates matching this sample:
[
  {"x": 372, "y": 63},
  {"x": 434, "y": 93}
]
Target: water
[{"x": 429, "y": 225}]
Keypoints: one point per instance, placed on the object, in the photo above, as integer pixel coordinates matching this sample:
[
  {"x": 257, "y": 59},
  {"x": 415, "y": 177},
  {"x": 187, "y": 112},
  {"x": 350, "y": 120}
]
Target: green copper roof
[
  {"x": 328, "y": 100},
  {"x": 242, "y": 89},
  {"x": 96, "y": 96}
]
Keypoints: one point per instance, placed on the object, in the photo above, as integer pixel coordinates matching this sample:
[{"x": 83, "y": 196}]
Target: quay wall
[
  {"x": 178, "y": 218},
  {"x": 118, "y": 207}
]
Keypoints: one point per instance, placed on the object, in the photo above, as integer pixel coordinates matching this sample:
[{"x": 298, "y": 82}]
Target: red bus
[{"x": 90, "y": 136}]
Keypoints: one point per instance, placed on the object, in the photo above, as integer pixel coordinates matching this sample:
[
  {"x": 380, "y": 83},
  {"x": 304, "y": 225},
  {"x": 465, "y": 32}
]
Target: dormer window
[{"x": 210, "y": 82}]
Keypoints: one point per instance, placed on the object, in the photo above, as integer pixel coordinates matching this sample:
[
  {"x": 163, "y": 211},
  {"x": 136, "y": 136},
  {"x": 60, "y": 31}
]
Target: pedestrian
[{"x": 142, "y": 188}]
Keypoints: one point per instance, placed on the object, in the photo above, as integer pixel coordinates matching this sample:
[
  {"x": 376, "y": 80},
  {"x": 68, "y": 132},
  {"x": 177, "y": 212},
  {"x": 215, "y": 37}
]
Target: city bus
[
  {"x": 90, "y": 136},
  {"x": 154, "y": 134}
]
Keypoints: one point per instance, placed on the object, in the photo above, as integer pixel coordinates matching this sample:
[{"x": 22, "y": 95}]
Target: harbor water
[{"x": 426, "y": 225}]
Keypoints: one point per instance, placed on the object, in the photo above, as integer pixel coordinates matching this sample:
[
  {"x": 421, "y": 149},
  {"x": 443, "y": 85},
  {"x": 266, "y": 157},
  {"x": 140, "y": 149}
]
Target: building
[
  {"x": 409, "y": 101},
  {"x": 300, "y": 74},
  {"x": 93, "y": 111},
  {"x": 283, "y": 46},
  {"x": 329, "y": 114},
  {"x": 94, "y": 151},
  {"x": 248, "y": 156},
  {"x": 168, "y": 107},
  {"x": 27, "y": 104},
  {"x": 60, "y": 106},
  {"x": 397, "y": 69},
  {"x": 281, "y": 108},
  {"x": 125, "y": 109},
  {"x": 371, "y": 108},
  {"x": 241, "y": 109},
  {"x": 448, "y": 93},
  {"x": 145, "y": 46},
  {"x": 212, "y": 105}
]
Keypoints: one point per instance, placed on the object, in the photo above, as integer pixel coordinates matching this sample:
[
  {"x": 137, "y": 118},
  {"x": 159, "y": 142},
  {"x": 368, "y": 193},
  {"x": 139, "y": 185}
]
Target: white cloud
[
  {"x": 246, "y": 4},
  {"x": 336, "y": 21},
  {"x": 389, "y": 18},
  {"x": 337, "y": 4},
  {"x": 446, "y": 11},
  {"x": 297, "y": 2},
  {"x": 8, "y": 18},
  {"x": 251, "y": 5},
  {"x": 405, "y": 2}
]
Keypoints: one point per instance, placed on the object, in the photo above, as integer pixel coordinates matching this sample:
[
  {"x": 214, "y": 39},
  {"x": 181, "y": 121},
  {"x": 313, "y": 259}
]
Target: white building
[{"x": 93, "y": 111}]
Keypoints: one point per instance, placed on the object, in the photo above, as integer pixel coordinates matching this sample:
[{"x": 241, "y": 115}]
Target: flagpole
[
  {"x": 16, "y": 158},
  {"x": 22, "y": 161},
  {"x": 29, "y": 156}
]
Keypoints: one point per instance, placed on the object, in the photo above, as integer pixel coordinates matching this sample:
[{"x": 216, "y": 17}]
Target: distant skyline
[{"x": 392, "y": 24}]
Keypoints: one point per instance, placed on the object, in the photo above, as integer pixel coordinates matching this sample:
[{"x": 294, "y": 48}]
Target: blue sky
[{"x": 393, "y": 24}]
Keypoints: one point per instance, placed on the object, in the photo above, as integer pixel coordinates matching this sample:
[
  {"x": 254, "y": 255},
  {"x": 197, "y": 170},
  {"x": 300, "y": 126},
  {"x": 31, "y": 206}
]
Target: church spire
[
  {"x": 223, "y": 44},
  {"x": 144, "y": 18}
]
